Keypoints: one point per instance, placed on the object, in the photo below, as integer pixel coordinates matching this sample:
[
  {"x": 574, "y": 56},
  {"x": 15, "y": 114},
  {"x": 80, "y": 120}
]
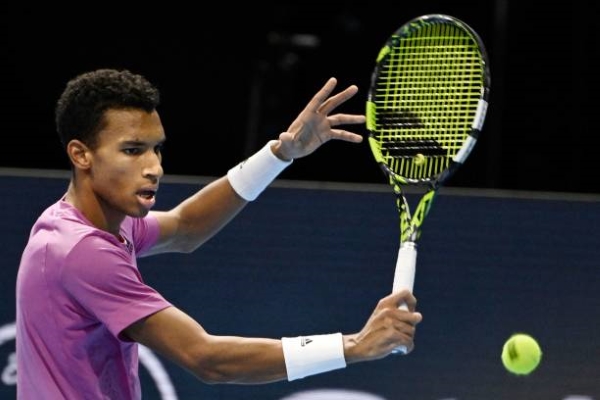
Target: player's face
[{"x": 127, "y": 162}]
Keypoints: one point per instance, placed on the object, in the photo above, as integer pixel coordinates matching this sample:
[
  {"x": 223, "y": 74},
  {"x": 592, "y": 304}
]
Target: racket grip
[{"x": 404, "y": 276}]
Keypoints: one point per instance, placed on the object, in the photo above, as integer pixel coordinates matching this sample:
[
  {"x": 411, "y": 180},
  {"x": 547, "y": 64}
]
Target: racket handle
[{"x": 404, "y": 276}]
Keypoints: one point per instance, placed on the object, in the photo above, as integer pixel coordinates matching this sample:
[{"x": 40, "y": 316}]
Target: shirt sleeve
[
  {"x": 106, "y": 283},
  {"x": 144, "y": 233}
]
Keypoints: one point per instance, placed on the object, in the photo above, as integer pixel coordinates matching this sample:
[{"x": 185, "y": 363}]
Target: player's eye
[{"x": 132, "y": 151}]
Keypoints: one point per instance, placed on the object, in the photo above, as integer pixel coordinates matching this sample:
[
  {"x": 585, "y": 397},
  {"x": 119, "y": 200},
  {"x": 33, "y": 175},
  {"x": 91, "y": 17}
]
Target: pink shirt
[{"x": 78, "y": 287}]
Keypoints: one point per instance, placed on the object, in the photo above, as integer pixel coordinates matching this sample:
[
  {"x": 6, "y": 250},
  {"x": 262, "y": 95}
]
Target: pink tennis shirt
[{"x": 78, "y": 287}]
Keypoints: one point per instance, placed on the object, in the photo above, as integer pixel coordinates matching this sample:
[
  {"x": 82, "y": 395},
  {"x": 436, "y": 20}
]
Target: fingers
[
  {"x": 318, "y": 99},
  {"x": 314, "y": 126},
  {"x": 394, "y": 326},
  {"x": 334, "y": 101},
  {"x": 405, "y": 321},
  {"x": 403, "y": 335},
  {"x": 396, "y": 299},
  {"x": 322, "y": 103},
  {"x": 346, "y": 136},
  {"x": 387, "y": 328},
  {"x": 410, "y": 300},
  {"x": 403, "y": 318},
  {"x": 346, "y": 119}
]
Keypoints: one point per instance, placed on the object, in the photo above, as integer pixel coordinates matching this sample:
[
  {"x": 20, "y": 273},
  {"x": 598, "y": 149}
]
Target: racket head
[{"x": 427, "y": 100}]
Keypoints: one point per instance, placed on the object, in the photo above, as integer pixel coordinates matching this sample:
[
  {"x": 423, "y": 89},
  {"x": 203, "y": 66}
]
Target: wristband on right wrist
[{"x": 310, "y": 355}]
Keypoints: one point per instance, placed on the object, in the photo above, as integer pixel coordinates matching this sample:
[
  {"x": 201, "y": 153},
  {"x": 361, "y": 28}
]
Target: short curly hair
[{"x": 79, "y": 110}]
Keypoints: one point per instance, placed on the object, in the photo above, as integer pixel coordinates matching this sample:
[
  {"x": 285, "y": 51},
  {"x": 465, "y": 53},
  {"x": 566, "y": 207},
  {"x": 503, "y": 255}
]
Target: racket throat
[{"x": 410, "y": 226}]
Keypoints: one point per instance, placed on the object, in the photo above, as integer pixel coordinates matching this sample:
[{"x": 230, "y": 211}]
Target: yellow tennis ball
[
  {"x": 521, "y": 354},
  {"x": 419, "y": 159}
]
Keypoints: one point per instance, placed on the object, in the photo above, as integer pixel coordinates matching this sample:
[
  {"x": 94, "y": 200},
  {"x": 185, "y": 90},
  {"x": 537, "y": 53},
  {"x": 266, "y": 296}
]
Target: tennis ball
[
  {"x": 521, "y": 354},
  {"x": 419, "y": 159}
]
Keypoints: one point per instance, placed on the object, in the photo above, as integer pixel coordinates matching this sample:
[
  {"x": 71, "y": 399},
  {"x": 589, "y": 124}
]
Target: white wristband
[
  {"x": 250, "y": 177},
  {"x": 310, "y": 355}
]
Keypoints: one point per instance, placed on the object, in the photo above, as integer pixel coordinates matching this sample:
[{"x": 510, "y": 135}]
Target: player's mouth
[{"x": 147, "y": 197}]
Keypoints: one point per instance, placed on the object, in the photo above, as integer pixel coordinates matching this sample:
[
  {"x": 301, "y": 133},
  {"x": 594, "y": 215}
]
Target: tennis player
[{"x": 82, "y": 305}]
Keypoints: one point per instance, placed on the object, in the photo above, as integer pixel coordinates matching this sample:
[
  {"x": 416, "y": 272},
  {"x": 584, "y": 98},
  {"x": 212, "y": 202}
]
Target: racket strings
[{"x": 428, "y": 90}]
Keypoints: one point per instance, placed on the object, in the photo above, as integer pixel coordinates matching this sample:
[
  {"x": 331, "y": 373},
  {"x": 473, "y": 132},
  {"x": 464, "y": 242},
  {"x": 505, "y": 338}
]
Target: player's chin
[{"x": 139, "y": 211}]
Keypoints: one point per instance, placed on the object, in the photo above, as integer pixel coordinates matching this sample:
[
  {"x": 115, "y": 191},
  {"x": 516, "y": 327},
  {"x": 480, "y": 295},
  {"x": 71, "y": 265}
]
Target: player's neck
[{"x": 90, "y": 205}]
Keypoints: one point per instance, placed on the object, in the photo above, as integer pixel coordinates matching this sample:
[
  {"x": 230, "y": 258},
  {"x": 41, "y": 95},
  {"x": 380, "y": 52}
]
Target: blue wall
[{"x": 302, "y": 261}]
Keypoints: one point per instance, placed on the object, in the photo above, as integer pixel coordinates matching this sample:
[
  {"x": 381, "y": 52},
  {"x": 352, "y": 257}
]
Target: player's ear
[{"x": 79, "y": 154}]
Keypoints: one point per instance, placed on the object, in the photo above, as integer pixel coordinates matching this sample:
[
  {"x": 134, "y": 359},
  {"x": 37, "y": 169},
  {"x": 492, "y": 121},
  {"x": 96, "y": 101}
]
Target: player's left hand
[{"x": 315, "y": 126}]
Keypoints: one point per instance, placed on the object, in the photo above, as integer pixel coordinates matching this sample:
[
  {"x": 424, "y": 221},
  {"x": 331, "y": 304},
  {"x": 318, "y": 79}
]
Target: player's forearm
[
  {"x": 208, "y": 211},
  {"x": 241, "y": 360},
  {"x": 204, "y": 214},
  {"x": 258, "y": 360}
]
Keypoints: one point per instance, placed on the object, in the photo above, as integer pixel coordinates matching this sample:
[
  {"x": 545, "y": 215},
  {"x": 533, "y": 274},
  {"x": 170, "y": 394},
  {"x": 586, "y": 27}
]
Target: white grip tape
[
  {"x": 404, "y": 276},
  {"x": 250, "y": 177},
  {"x": 311, "y": 355}
]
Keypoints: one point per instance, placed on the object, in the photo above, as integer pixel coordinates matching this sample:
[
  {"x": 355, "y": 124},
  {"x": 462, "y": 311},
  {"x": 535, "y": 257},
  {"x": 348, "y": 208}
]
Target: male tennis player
[{"x": 82, "y": 306}]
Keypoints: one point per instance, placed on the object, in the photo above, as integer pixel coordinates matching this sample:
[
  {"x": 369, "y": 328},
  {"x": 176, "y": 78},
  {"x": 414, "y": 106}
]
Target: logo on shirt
[{"x": 128, "y": 245}]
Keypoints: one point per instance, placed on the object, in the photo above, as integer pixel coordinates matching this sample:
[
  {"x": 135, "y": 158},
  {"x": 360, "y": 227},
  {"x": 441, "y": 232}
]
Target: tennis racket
[{"x": 426, "y": 106}]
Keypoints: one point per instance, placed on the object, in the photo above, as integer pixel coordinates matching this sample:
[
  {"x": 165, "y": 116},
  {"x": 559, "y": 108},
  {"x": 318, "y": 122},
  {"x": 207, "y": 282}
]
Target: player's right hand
[{"x": 387, "y": 328}]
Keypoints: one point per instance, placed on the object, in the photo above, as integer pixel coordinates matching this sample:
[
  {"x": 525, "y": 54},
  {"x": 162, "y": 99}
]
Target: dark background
[{"x": 231, "y": 79}]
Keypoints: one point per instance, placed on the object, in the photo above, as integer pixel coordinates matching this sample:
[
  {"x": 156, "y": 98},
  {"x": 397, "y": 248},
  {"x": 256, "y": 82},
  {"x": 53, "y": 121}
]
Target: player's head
[{"x": 81, "y": 107}]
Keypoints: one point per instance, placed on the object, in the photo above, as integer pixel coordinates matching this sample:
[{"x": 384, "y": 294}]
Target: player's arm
[
  {"x": 212, "y": 359},
  {"x": 200, "y": 217},
  {"x": 234, "y": 359}
]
